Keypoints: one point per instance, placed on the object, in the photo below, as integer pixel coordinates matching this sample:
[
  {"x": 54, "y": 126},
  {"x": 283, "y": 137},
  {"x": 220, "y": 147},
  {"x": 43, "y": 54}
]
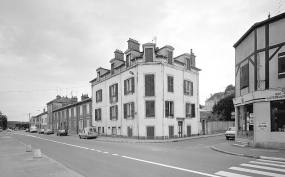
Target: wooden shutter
[
  {"x": 133, "y": 84},
  {"x": 166, "y": 109},
  {"x": 125, "y": 111},
  {"x": 101, "y": 96},
  {"x": 110, "y": 94},
  {"x": 133, "y": 109},
  {"x": 127, "y": 60},
  {"x": 152, "y": 108},
  {"x": 99, "y": 115},
  {"x": 116, "y": 112},
  {"x": 149, "y": 55},
  {"x": 125, "y": 87},
  {"x": 186, "y": 110},
  {"x": 193, "y": 110},
  {"x": 246, "y": 75},
  {"x": 191, "y": 88},
  {"x": 96, "y": 118},
  {"x": 116, "y": 87},
  {"x": 184, "y": 86},
  {"x": 169, "y": 57},
  {"x": 96, "y": 96},
  {"x": 110, "y": 112}
]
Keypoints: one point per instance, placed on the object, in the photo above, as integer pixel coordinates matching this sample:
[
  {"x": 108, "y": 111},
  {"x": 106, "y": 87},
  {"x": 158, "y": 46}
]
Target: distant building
[
  {"x": 260, "y": 84},
  {"x": 209, "y": 103},
  {"x": 147, "y": 94}
]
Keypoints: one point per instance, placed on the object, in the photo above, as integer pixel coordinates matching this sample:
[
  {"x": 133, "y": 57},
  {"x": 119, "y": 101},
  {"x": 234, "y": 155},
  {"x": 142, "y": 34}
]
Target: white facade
[{"x": 142, "y": 123}]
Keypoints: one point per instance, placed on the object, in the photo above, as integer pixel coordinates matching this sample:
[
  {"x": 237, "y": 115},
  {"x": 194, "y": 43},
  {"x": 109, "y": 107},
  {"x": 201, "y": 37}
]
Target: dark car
[
  {"x": 61, "y": 132},
  {"x": 48, "y": 131},
  {"x": 41, "y": 131}
]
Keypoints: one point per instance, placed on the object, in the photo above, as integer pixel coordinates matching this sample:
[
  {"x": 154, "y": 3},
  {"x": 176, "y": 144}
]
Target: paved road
[{"x": 186, "y": 158}]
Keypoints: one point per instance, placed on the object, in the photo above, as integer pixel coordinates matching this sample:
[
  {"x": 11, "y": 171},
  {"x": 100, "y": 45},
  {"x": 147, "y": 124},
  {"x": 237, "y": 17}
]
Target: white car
[
  {"x": 88, "y": 132},
  {"x": 230, "y": 133}
]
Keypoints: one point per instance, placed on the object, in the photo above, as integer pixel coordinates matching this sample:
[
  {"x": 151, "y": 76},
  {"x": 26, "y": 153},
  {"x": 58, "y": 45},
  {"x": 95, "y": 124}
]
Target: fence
[{"x": 216, "y": 127}]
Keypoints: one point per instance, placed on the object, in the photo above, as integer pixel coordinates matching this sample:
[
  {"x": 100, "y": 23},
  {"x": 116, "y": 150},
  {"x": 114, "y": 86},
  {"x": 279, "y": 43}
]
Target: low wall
[{"x": 218, "y": 127}]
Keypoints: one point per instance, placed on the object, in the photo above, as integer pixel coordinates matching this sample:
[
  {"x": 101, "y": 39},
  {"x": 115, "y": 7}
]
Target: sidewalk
[
  {"x": 259, "y": 153},
  {"x": 132, "y": 140},
  {"x": 16, "y": 162}
]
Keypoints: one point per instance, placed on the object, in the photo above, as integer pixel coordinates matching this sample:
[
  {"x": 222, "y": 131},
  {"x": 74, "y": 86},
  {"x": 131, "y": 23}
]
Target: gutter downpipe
[
  {"x": 163, "y": 106},
  {"x": 137, "y": 103}
]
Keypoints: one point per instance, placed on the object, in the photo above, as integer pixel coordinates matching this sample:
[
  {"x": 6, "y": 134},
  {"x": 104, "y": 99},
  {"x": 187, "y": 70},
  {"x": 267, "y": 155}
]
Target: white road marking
[
  {"x": 228, "y": 174},
  {"x": 272, "y": 164},
  {"x": 98, "y": 150},
  {"x": 263, "y": 167},
  {"x": 106, "y": 152},
  {"x": 256, "y": 172},
  {"x": 92, "y": 149},
  {"x": 115, "y": 154},
  {"x": 173, "y": 167},
  {"x": 270, "y": 161}
]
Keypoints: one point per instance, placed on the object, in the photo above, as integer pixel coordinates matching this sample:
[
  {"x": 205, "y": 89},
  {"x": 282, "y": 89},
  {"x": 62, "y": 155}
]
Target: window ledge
[{"x": 150, "y": 117}]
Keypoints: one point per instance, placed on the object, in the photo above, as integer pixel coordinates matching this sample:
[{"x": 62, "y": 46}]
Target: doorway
[
  {"x": 180, "y": 129},
  {"x": 130, "y": 132},
  {"x": 188, "y": 131}
]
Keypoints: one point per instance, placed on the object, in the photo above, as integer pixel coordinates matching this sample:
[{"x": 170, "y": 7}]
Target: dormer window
[
  {"x": 98, "y": 76},
  {"x": 112, "y": 68},
  {"x": 188, "y": 64},
  {"x": 149, "y": 54},
  {"x": 170, "y": 57},
  {"x": 128, "y": 60}
]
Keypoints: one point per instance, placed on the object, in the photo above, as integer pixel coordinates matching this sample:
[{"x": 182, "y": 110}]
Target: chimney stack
[
  {"x": 193, "y": 58},
  {"x": 119, "y": 54},
  {"x": 84, "y": 97},
  {"x": 133, "y": 44},
  {"x": 58, "y": 97}
]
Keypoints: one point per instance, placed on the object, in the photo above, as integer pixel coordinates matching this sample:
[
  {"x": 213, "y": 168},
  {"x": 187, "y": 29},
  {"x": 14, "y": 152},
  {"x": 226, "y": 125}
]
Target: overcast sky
[{"x": 54, "y": 47}]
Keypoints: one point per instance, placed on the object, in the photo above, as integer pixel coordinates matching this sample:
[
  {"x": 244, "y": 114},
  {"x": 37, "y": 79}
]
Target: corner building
[
  {"x": 147, "y": 94},
  {"x": 260, "y": 84}
]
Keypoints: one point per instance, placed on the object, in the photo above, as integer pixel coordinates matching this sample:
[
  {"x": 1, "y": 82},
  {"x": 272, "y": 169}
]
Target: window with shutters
[
  {"x": 281, "y": 65},
  {"x": 98, "y": 114},
  {"x": 150, "y": 108},
  {"x": 188, "y": 88},
  {"x": 188, "y": 110},
  {"x": 170, "y": 84},
  {"x": 149, "y": 54},
  {"x": 99, "y": 96},
  {"x": 128, "y": 60},
  {"x": 244, "y": 76},
  {"x": 192, "y": 110},
  {"x": 170, "y": 57},
  {"x": 129, "y": 110},
  {"x": 149, "y": 85},
  {"x": 188, "y": 64},
  {"x": 169, "y": 109},
  {"x": 114, "y": 112},
  {"x": 113, "y": 93},
  {"x": 129, "y": 86}
]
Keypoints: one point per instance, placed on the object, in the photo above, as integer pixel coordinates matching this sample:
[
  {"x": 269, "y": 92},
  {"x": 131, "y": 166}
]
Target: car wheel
[{"x": 227, "y": 138}]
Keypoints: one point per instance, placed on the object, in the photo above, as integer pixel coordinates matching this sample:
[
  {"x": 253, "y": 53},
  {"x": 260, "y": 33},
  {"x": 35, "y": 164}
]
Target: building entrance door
[
  {"x": 130, "y": 132},
  {"x": 188, "y": 131},
  {"x": 180, "y": 129}
]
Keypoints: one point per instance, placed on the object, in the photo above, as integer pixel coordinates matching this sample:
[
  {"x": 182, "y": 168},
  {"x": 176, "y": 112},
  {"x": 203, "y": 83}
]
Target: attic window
[
  {"x": 98, "y": 76},
  {"x": 149, "y": 54},
  {"x": 128, "y": 60},
  {"x": 112, "y": 68},
  {"x": 170, "y": 57},
  {"x": 188, "y": 64}
]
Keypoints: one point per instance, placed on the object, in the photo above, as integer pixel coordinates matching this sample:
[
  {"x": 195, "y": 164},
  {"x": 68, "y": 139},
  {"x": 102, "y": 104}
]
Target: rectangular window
[
  {"x": 193, "y": 110},
  {"x": 188, "y": 88},
  {"x": 281, "y": 65},
  {"x": 149, "y": 55},
  {"x": 171, "y": 131},
  {"x": 129, "y": 110},
  {"x": 188, "y": 110},
  {"x": 170, "y": 84},
  {"x": 114, "y": 112},
  {"x": 150, "y": 108},
  {"x": 98, "y": 114},
  {"x": 170, "y": 59},
  {"x": 99, "y": 130},
  {"x": 129, "y": 86},
  {"x": 114, "y": 130},
  {"x": 102, "y": 129},
  {"x": 169, "y": 109},
  {"x": 112, "y": 68},
  {"x": 149, "y": 85},
  {"x": 113, "y": 93},
  {"x": 278, "y": 116},
  {"x": 99, "y": 96},
  {"x": 128, "y": 60},
  {"x": 188, "y": 64},
  {"x": 244, "y": 76},
  {"x": 150, "y": 132}
]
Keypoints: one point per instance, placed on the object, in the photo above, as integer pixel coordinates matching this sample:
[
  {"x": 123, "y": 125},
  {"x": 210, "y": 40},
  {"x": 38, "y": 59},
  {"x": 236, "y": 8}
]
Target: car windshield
[
  {"x": 91, "y": 129},
  {"x": 232, "y": 129}
]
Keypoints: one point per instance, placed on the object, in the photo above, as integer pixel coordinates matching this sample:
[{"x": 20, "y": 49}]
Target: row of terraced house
[{"x": 146, "y": 94}]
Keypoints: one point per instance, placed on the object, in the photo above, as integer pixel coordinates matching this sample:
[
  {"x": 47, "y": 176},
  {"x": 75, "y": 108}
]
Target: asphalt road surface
[{"x": 185, "y": 158}]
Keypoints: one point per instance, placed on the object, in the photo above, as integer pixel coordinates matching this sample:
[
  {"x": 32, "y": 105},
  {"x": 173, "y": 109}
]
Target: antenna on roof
[{"x": 154, "y": 39}]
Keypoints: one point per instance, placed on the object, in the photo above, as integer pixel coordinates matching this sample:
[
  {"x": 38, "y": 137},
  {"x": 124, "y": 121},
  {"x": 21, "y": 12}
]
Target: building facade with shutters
[
  {"x": 74, "y": 117},
  {"x": 147, "y": 94},
  {"x": 260, "y": 84}
]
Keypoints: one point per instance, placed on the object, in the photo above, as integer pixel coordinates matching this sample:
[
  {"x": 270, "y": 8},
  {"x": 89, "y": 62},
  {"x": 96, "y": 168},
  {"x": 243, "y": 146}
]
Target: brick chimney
[
  {"x": 58, "y": 97},
  {"x": 119, "y": 54},
  {"x": 84, "y": 97},
  {"x": 133, "y": 44},
  {"x": 73, "y": 99}
]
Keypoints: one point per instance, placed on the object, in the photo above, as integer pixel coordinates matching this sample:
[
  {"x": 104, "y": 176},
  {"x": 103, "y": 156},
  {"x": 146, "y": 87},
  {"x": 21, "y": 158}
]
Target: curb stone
[{"x": 249, "y": 156}]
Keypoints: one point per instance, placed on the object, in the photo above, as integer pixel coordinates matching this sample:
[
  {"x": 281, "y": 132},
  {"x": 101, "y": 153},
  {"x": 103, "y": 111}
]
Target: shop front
[{"x": 260, "y": 118}]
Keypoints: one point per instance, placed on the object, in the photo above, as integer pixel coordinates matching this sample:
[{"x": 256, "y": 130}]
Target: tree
[
  {"x": 229, "y": 88},
  {"x": 223, "y": 109},
  {"x": 3, "y": 121}
]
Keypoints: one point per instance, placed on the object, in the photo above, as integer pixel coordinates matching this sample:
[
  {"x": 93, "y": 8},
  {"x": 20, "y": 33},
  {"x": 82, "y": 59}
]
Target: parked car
[
  {"x": 88, "y": 132},
  {"x": 48, "y": 131},
  {"x": 61, "y": 132},
  {"x": 8, "y": 130},
  {"x": 27, "y": 130},
  {"x": 230, "y": 133},
  {"x": 33, "y": 129},
  {"x": 41, "y": 131}
]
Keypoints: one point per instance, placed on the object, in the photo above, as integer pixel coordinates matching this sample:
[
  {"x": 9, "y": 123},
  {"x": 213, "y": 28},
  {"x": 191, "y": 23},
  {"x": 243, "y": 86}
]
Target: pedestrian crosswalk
[{"x": 259, "y": 167}]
